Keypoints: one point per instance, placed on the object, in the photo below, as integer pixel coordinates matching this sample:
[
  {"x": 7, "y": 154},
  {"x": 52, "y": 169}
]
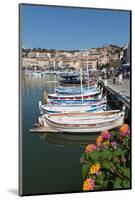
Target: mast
[
  {"x": 88, "y": 73},
  {"x": 81, "y": 73},
  {"x": 81, "y": 83}
]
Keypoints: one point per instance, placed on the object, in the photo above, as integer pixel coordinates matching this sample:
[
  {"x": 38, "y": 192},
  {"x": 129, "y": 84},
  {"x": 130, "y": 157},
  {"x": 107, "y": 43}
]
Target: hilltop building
[
  {"x": 38, "y": 55},
  {"x": 93, "y": 58}
]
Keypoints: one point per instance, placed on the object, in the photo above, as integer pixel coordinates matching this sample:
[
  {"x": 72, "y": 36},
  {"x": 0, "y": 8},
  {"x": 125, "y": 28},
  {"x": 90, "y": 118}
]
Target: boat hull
[
  {"x": 107, "y": 122},
  {"x": 87, "y": 95},
  {"x": 72, "y": 108},
  {"x": 72, "y": 91},
  {"x": 95, "y": 99}
]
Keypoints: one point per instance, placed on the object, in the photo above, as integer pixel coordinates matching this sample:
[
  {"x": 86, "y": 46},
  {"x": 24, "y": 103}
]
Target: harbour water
[{"x": 51, "y": 162}]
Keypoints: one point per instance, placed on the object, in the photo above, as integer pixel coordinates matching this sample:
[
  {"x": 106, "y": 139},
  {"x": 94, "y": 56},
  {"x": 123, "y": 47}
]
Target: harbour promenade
[
  {"x": 122, "y": 92},
  {"x": 123, "y": 89}
]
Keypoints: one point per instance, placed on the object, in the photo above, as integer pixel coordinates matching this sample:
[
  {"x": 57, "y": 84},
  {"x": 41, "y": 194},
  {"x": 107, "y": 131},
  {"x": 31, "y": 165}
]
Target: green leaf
[
  {"x": 85, "y": 170},
  {"x": 109, "y": 154},
  {"x": 126, "y": 184},
  {"x": 100, "y": 179},
  {"x": 118, "y": 183},
  {"x": 105, "y": 184},
  {"x": 106, "y": 155},
  {"x": 98, "y": 187},
  {"x": 117, "y": 153},
  {"x": 95, "y": 155},
  {"x": 118, "y": 166},
  {"x": 106, "y": 165},
  {"x": 126, "y": 139},
  {"x": 126, "y": 172}
]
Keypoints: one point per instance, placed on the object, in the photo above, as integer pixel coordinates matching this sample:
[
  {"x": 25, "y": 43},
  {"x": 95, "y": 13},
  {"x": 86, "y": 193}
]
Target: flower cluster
[
  {"x": 106, "y": 164},
  {"x": 103, "y": 139},
  {"x": 95, "y": 169},
  {"x": 88, "y": 184},
  {"x": 90, "y": 148},
  {"x": 99, "y": 141},
  {"x": 105, "y": 134},
  {"x": 106, "y": 143},
  {"x": 124, "y": 131}
]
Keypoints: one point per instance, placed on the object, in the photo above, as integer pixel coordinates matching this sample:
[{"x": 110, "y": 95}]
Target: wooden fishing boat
[
  {"x": 85, "y": 95},
  {"x": 37, "y": 73},
  {"x": 92, "y": 100},
  {"x": 69, "y": 75},
  {"x": 72, "y": 108},
  {"x": 60, "y": 87},
  {"x": 71, "y": 81},
  {"x": 70, "y": 78},
  {"x": 76, "y": 84},
  {"x": 83, "y": 122},
  {"x": 73, "y": 90}
]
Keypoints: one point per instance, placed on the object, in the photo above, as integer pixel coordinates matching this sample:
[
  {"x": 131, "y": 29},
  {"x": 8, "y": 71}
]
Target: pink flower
[
  {"x": 99, "y": 141},
  {"x": 90, "y": 148},
  {"x": 88, "y": 184},
  {"x": 106, "y": 134},
  {"x": 124, "y": 129}
]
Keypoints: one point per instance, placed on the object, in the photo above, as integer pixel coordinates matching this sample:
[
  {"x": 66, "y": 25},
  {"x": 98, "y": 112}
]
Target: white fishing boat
[
  {"x": 73, "y": 74},
  {"x": 85, "y": 95},
  {"x": 37, "y": 73},
  {"x": 83, "y": 122},
  {"x": 94, "y": 99},
  {"x": 86, "y": 107},
  {"x": 73, "y": 90},
  {"x": 28, "y": 73}
]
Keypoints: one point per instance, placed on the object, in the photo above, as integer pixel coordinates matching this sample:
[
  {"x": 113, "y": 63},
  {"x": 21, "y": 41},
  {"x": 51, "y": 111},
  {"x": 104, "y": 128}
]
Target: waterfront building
[
  {"x": 104, "y": 59},
  {"x": 90, "y": 61},
  {"x": 43, "y": 63},
  {"x": 67, "y": 62},
  {"x": 35, "y": 62},
  {"x": 29, "y": 62}
]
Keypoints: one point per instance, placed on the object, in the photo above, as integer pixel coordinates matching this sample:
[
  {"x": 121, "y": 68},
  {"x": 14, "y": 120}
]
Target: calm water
[{"x": 51, "y": 162}]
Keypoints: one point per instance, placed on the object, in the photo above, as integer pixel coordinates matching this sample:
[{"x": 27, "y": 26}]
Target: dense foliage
[{"x": 106, "y": 164}]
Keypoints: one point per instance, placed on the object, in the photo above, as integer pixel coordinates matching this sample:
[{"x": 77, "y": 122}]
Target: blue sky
[{"x": 73, "y": 28}]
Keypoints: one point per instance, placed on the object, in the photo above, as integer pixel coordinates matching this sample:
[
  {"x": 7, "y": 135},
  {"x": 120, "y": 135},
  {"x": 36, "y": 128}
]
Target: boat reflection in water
[{"x": 68, "y": 139}]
